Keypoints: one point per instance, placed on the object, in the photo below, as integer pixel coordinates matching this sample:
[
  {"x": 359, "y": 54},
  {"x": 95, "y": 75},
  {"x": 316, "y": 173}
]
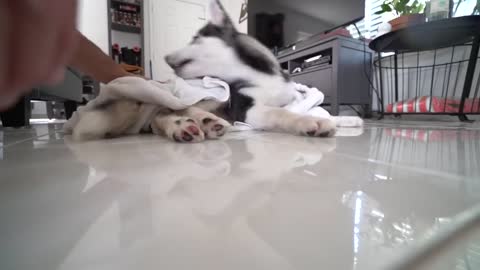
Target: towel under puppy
[{"x": 178, "y": 94}]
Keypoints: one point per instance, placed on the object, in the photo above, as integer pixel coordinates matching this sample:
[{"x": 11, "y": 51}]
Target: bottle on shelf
[
  {"x": 116, "y": 53},
  {"x": 137, "y": 53}
]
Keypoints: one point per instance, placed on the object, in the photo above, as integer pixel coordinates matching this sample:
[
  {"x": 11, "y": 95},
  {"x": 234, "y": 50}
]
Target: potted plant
[{"x": 409, "y": 13}]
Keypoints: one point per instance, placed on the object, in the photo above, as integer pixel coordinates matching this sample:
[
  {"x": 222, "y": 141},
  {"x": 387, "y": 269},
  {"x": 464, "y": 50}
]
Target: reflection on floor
[{"x": 248, "y": 201}]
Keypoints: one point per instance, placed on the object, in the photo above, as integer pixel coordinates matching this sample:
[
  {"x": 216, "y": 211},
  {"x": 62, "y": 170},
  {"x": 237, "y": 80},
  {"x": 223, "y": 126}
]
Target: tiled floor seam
[{"x": 26, "y": 140}]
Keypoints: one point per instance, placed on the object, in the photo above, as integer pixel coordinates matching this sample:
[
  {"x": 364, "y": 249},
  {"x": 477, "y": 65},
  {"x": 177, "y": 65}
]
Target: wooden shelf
[{"x": 126, "y": 28}]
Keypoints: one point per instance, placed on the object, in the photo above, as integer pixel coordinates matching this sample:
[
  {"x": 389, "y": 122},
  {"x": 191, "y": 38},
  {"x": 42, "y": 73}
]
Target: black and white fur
[
  {"x": 259, "y": 86},
  {"x": 259, "y": 90}
]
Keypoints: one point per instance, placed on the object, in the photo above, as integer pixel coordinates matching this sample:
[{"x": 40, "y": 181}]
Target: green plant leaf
[
  {"x": 411, "y": 8},
  {"x": 419, "y": 9},
  {"x": 402, "y": 7},
  {"x": 399, "y": 8},
  {"x": 386, "y": 7}
]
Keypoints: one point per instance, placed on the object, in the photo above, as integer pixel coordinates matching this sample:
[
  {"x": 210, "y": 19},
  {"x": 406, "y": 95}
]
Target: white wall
[
  {"x": 92, "y": 21},
  {"x": 155, "y": 20},
  {"x": 126, "y": 39},
  {"x": 296, "y": 26},
  {"x": 233, "y": 8}
]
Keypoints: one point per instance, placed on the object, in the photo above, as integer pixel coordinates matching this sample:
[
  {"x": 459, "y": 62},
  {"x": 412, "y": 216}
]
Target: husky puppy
[{"x": 259, "y": 90}]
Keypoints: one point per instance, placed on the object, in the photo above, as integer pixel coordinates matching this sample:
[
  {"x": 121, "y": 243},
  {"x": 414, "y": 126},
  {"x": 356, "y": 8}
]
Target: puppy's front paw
[
  {"x": 315, "y": 127},
  {"x": 184, "y": 130},
  {"x": 213, "y": 126}
]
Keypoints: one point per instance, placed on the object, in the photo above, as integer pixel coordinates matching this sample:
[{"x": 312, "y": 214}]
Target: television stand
[{"x": 342, "y": 79}]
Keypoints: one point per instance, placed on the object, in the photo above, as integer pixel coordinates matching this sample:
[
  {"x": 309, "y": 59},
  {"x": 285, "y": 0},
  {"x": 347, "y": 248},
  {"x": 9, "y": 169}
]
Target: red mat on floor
[{"x": 429, "y": 104}]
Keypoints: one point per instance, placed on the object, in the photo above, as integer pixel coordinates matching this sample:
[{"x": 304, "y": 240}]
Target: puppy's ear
[{"x": 218, "y": 15}]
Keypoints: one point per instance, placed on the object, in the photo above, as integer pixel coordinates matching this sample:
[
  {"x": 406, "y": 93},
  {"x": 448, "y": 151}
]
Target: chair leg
[
  {"x": 17, "y": 116},
  {"x": 70, "y": 108}
]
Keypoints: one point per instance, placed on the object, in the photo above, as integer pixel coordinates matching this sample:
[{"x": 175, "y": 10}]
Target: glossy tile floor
[{"x": 248, "y": 201}]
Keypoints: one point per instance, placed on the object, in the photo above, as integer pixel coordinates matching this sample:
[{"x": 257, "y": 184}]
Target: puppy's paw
[
  {"x": 213, "y": 126},
  {"x": 184, "y": 130},
  {"x": 315, "y": 127}
]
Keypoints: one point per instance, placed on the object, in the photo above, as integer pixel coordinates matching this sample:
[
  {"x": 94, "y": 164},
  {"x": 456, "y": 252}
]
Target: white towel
[
  {"x": 175, "y": 94},
  {"x": 307, "y": 101}
]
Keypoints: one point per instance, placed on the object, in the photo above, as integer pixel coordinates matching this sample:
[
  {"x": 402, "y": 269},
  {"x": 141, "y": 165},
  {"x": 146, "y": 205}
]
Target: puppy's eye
[{"x": 195, "y": 39}]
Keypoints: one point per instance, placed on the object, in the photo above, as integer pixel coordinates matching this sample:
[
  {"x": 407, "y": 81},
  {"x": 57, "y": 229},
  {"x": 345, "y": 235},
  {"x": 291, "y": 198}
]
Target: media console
[{"x": 335, "y": 64}]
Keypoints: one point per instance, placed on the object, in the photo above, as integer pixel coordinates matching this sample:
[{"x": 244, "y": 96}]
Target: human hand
[{"x": 37, "y": 38}]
